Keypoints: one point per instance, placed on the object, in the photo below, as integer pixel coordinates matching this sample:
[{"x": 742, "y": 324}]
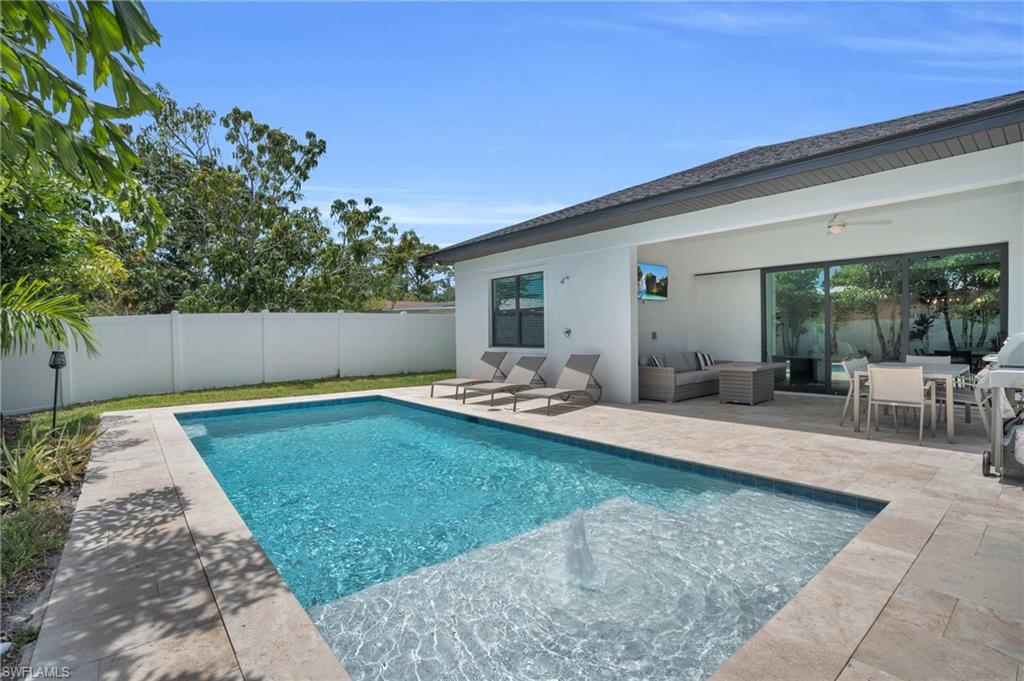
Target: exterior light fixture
[
  {"x": 57, "y": 362},
  {"x": 835, "y": 225}
]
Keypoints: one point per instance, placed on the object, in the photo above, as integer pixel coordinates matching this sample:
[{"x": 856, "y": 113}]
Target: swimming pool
[{"x": 429, "y": 545}]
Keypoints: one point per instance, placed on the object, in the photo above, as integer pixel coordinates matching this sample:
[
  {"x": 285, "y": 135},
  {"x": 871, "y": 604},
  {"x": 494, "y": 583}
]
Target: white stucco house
[{"x": 891, "y": 238}]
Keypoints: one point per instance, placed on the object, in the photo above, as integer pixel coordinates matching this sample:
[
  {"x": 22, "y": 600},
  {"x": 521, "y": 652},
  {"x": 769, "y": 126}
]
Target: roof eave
[{"x": 576, "y": 225}]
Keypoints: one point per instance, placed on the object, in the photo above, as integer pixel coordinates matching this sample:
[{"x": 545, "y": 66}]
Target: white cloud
[
  {"x": 467, "y": 212},
  {"x": 939, "y": 43},
  {"x": 973, "y": 65},
  {"x": 731, "y": 20},
  {"x": 947, "y": 78},
  {"x": 415, "y": 210},
  {"x": 1008, "y": 14}
]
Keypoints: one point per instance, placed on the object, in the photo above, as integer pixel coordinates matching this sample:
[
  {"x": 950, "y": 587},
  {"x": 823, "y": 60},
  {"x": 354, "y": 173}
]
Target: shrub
[
  {"x": 24, "y": 636},
  {"x": 68, "y": 454},
  {"x": 23, "y": 470},
  {"x": 27, "y": 534},
  {"x": 42, "y": 457}
]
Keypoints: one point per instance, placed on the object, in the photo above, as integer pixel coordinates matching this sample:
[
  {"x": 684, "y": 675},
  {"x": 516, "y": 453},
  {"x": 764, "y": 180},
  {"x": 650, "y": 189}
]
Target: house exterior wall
[
  {"x": 722, "y": 313},
  {"x": 961, "y": 201},
  {"x": 596, "y": 302}
]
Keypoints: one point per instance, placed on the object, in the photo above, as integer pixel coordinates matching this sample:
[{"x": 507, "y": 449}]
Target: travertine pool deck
[{"x": 161, "y": 579}]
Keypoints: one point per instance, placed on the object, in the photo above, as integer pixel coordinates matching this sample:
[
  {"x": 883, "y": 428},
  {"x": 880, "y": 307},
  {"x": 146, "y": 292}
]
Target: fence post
[
  {"x": 177, "y": 354},
  {"x": 67, "y": 383},
  {"x": 341, "y": 322},
  {"x": 405, "y": 341},
  {"x": 263, "y": 340}
]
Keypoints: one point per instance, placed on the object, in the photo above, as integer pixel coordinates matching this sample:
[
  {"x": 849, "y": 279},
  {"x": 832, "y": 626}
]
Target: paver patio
[{"x": 162, "y": 580}]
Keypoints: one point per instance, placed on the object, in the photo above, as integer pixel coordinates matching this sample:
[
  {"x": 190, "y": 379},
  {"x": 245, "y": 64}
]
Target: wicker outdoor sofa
[{"x": 679, "y": 378}]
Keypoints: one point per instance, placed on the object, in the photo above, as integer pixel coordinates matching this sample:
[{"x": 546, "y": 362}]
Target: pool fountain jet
[{"x": 578, "y": 560}]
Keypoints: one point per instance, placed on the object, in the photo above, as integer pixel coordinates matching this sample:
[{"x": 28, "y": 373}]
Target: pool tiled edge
[{"x": 813, "y": 637}]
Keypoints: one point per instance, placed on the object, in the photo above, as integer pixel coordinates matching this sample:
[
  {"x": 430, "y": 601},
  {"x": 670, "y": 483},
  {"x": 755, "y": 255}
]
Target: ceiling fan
[{"x": 837, "y": 223}]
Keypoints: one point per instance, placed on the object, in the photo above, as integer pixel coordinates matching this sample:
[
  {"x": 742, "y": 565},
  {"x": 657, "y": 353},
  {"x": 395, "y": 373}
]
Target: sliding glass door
[
  {"x": 943, "y": 303},
  {"x": 955, "y": 305},
  {"x": 866, "y": 314},
  {"x": 795, "y": 315}
]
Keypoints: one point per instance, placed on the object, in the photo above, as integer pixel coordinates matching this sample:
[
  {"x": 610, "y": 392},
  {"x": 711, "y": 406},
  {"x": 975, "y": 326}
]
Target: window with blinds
[{"x": 517, "y": 311}]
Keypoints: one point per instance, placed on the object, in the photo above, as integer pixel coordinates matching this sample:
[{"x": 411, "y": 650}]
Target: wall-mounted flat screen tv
[{"x": 652, "y": 281}]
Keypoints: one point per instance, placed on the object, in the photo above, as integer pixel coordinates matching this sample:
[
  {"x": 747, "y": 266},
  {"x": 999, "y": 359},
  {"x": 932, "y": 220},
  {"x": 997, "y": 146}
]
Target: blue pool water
[{"x": 429, "y": 546}]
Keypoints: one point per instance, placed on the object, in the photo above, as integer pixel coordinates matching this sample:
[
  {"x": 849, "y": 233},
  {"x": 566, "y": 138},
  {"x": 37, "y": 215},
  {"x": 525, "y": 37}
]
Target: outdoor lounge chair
[
  {"x": 487, "y": 369},
  {"x": 522, "y": 376},
  {"x": 577, "y": 378}
]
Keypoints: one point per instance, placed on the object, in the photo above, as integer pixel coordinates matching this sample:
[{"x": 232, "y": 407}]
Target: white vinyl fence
[{"x": 149, "y": 354}]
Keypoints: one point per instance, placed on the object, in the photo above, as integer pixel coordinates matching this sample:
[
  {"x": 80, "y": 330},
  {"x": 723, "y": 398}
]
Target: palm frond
[{"x": 28, "y": 310}]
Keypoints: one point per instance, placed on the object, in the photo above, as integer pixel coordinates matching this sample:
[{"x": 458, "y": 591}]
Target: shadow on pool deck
[{"x": 131, "y": 598}]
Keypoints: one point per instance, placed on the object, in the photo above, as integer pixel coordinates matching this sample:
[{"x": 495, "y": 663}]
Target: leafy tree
[
  {"x": 234, "y": 240},
  {"x": 412, "y": 278},
  {"x": 47, "y": 117},
  {"x": 51, "y": 128},
  {"x": 237, "y": 237},
  {"x": 49, "y": 233}
]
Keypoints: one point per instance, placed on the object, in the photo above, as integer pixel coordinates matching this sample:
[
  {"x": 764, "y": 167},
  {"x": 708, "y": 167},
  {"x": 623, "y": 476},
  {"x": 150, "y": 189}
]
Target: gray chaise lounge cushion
[
  {"x": 523, "y": 375},
  {"x": 577, "y": 377},
  {"x": 487, "y": 368},
  {"x": 691, "y": 377}
]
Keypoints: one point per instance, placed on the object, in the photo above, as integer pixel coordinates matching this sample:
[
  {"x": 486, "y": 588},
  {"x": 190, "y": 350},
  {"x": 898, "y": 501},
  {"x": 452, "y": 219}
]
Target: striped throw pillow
[
  {"x": 654, "y": 361},
  {"x": 705, "y": 360}
]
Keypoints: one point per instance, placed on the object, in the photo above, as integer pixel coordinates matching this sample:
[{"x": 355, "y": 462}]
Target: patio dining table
[{"x": 940, "y": 373}]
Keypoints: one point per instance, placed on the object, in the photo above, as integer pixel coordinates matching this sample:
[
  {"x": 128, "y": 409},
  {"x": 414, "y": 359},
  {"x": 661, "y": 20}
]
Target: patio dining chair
[
  {"x": 970, "y": 391},
  {"x": 577, "y": 378},
  {"x": 851, "y": 366},
  {"x": 522, "y": 376},
  {"x": 486, "y": 369},
  {"x": 900, "y": 387}
]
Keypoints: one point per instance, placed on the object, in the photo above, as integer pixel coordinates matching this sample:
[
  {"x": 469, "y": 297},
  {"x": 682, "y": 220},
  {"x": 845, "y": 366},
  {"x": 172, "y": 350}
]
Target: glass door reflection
[
  {"x": 865, "y": 320},
  {"x": 795, "y": 333},
  {"x": 955, "y": 304}
]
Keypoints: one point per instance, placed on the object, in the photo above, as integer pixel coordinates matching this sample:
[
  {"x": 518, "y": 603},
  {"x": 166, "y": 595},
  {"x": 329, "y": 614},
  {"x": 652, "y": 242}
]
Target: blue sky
[{"x": 460, "y": 118}]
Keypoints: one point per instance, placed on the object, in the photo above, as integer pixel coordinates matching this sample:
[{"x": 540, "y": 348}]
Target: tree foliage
[
  {"x": 49, "y": 233},
  {"x": 798, "y": 298},
  {"x": 238, "y": 238},
  {"x": 85, "y": 203},
  {"x": 47, "y": 117},
  {"x": 960, "y": 287},
  {"x": 28, "y": 308},
  {"x": 871, "y": 289},
  {"x": 58, "y": 145}
]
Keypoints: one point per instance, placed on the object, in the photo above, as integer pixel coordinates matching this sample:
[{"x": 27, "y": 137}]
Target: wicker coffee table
[{"x": 747, "y": 382}]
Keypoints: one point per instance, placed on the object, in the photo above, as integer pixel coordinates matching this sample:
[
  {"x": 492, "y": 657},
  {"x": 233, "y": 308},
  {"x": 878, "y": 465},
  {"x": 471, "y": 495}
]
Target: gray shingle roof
[{"x": 752, "y": 161}]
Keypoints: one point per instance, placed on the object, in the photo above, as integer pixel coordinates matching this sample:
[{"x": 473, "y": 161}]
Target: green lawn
[{"x": 89, "y": 413}]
